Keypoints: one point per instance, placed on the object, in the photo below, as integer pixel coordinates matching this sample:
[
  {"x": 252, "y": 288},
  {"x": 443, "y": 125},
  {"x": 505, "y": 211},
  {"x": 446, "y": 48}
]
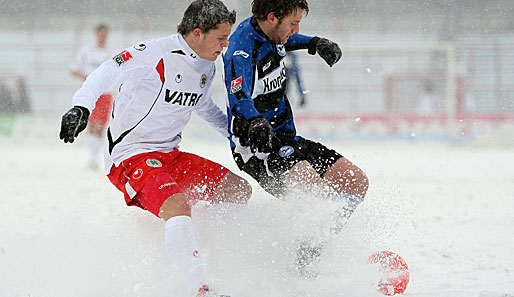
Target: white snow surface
[{"x": 447, "y": 210}]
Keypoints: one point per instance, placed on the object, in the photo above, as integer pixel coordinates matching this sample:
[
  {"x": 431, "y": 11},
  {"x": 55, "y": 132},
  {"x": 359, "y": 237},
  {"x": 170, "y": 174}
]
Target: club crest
[
  {"x": 203, "y": 81},
  {"x": 285, "y": 151},
  {"x": 153, "y": 163},
  {"x": 281, "y": 50}
]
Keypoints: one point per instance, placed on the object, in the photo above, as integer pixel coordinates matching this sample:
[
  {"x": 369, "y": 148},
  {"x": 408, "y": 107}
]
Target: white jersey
[
  {"x": 162, "y": 82},
  {"x": 89, "y": 58}
]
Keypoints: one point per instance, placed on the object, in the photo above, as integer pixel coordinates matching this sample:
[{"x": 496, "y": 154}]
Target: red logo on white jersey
[
  {"x": 126, "y": 56},
  {"x": 195, "y": 254},
  {"x": 122, "y": 57},
  {"x": 236, "y": 85}
]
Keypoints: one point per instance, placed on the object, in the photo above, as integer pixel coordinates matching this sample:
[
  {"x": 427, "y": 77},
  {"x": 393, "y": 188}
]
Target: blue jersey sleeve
[
  {"x": 297, "y": 41},
  {"x": 239, "y": 76}
]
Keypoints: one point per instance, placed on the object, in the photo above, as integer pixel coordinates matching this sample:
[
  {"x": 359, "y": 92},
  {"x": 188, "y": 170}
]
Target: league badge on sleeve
[
  {"x": 236, "y": 85},
  {"x": 122, "y": 57}
]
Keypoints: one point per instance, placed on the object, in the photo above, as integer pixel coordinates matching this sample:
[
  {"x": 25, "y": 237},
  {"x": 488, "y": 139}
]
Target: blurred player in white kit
[{"x": 87, "y": 60}]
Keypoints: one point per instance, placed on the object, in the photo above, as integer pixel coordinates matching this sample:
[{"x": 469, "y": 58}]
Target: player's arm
[
  {"x": 208, "y": 111},
  {"x": 325, "y": 48},
  {"x": 239, "y": 79},
  {"x": 77, "y": 67},
  {"x": 247, "y": 123},
  {"x": 111, "y": 72},
  {"x": 78, "y": 75}
]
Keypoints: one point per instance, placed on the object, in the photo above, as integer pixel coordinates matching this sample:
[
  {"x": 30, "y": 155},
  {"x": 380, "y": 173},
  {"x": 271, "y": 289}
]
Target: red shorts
[
  {"x": 148, "y": 179},
  {"x": 102, "y": 111}
]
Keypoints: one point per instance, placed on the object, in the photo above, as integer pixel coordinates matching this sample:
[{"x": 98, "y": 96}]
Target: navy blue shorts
[{"x": 283, "y": 158}]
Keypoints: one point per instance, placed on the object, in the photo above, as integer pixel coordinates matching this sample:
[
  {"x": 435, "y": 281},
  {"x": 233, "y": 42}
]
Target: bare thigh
[
  {"x": 233, "y": 189},
  {"x": 344, "y": 176}
]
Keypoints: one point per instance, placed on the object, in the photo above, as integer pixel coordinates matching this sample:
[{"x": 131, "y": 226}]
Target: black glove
[
  {"x": 326, "y": 49},
  {"x": 73, "y": 122},
  {"x": 260, "y": 135}
]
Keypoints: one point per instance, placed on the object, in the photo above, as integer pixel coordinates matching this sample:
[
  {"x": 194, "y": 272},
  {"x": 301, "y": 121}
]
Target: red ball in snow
[{"x": 394, "y": 272}]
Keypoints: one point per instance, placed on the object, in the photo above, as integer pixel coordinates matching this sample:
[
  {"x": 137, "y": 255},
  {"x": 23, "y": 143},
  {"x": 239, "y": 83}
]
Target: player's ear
[
  {"x": 272, "y": 18},
  {"x": 197, "y": 33}
]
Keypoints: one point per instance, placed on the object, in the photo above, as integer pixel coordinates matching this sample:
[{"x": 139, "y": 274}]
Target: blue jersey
[{"x": 255, "y": 79}]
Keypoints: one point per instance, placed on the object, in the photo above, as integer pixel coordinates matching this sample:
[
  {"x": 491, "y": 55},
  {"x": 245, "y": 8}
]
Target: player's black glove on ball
[
  {"x": 260, "y": 135},
  {"x": 73, "y": 122},
  {"x": 326, "y": 49}
]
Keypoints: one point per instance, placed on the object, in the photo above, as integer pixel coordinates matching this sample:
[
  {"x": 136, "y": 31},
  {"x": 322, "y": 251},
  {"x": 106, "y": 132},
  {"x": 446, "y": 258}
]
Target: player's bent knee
[
  {"x": 363, "y": 183},
  {"x": 347, "y": 177},
  {"x": 176, "y": 205}
]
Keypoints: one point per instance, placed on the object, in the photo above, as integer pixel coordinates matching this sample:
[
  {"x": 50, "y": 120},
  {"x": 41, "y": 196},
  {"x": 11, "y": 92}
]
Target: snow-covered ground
[{"x": 447, "y": 210}]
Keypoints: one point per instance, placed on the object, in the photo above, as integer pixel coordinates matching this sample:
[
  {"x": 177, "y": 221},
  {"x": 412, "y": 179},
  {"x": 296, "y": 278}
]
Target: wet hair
[
  {"x": 206, "y": 15},
  {"x": 262, "y": 8},
  {"x": 101, "y": 26}
]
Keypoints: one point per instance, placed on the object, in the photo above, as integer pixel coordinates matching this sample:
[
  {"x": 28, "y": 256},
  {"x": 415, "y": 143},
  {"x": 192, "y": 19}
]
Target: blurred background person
[
  {"x": 88, "y": 59},
  {"x": 6, "y": 98},
  {"x": 293, "y": 73},
  {"x": 430, "y": 102}
]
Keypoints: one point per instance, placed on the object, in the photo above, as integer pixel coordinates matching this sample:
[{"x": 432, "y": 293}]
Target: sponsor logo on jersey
[
  {"x": 203, "y": 81},
  {"x": 153, "y": 163},
  {"x": 182, "y": 98},
  {"x": 285, "y": 151},
  {"x": 122, "y": 58},
  {"x": 167, "y": 185},
  {"x": 273, "y": 84},
  {"x": 140, "y": 47},
  {"x": 137, "y": 174},
  {"x": 178, "y": 78},
  {"x": 281, "y": 50},
  {"x": 236, "y": 85},
  {"x": 241, "y": 53},
  {"x": 196, "y": 254}
]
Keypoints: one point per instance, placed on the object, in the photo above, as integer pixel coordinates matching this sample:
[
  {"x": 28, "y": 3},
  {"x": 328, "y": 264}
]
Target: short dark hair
[
  {"x": 206, "y": 15},
  {"x": 281, "y": 8}
]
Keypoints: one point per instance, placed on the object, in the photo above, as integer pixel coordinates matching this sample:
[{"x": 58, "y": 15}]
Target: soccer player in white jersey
[
  {"x": 87, "y": 60},
  {"x": 163, "y": 81}
]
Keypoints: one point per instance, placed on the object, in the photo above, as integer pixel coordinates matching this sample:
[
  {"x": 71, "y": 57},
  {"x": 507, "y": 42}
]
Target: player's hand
[
  {"x": 260, "y": 135},
  {"x": 326, "y": 49},
  {"x": 73, "y": 122}
]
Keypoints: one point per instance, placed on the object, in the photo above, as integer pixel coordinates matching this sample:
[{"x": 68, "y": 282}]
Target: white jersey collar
[{"x": 189, "y": 51}]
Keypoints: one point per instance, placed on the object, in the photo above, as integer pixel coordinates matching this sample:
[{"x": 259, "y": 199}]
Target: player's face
[
  {"x": 287, "y": 26},
  {"x": 213, "y": 42}
]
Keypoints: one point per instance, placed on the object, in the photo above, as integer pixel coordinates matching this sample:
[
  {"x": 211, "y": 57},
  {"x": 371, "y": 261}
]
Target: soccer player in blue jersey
[{"x": 262, "y": 132}]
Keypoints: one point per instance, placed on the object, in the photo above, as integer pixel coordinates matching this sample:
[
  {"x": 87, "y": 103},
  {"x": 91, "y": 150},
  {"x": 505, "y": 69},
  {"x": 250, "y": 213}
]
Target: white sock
[
  {"x": 95, "y": 145},
  {"x": 181, "y": 247}
]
